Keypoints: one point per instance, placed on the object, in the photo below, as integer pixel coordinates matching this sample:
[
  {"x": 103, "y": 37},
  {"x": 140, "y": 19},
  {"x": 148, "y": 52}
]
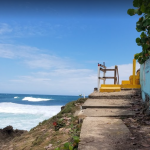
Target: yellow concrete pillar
[{"x": 134, "y": 70}]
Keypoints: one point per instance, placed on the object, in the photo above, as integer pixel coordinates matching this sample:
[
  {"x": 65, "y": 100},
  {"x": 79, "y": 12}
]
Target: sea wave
[
  {"x": 29, "y": 109},
  {"x": 16, "y": 97},
  {"x": 32, "y": 99},
  {"x": 25, "y": 116}
]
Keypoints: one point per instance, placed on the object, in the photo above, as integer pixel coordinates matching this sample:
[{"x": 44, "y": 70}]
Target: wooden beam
[
  {"x": 104, "y": 78},
  {"x": 104, "y": 70},
  {"x": 110, "y": 77}
]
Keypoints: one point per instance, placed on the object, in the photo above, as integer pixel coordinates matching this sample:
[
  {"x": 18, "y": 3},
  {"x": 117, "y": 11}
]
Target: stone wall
[{"x": 145, "y": 80}]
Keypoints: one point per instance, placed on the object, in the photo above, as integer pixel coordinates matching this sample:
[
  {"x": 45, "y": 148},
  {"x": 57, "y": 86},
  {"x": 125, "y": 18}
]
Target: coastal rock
[
  {"x": 62, "y": 107},
  {"x": 50, "y": 130},
  {"x": 8, "y": 130},
  {"x": 43, "y": 130},
  {"x": 7, "y": 134},
  {"x": 76, "y": 121},
  {"x": 77, "y": 104},
  {"x": 66, "y": 118},
  {"x": 61, "y": 129},
  {"x": 68, "y": 123},
  {"x": 67, "y": 130},
  {"x": 48, "y": 147}
]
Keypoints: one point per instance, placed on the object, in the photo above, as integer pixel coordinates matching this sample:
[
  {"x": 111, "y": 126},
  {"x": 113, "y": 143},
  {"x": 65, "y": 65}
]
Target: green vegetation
[
  {"x": 69, "y": 145},
  {"x": 143, "y": 24},
  {"x": 75, "y": 127}
]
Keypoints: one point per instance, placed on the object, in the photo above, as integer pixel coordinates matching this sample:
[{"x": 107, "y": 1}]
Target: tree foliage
[{"x": 143, "y": 26}]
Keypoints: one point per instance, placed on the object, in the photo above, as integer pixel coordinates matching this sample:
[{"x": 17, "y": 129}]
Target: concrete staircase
[{"x": 101, "y": 130}]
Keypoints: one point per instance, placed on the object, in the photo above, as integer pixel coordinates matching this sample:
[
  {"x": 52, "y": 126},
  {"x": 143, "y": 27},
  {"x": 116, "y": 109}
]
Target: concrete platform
[
  {"x": 102, "y": 133},
  {"x": 107, "y": 103},
  {"x": 125, "y": 94},
  {"x": 107, "y": 112},
  {"x": 131, "y": 86}
]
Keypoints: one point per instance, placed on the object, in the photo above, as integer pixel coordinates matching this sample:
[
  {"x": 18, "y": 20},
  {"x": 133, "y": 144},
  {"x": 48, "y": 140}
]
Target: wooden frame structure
[{"x": 104, "y": 70}]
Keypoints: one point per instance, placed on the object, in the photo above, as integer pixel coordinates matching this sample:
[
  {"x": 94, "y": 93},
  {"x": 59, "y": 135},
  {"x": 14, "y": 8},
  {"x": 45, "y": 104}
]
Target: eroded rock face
[
  {"x": 8, "y": 133},
  {"x": 62, "y": 107},
  {"x": 8, "y": 130}
]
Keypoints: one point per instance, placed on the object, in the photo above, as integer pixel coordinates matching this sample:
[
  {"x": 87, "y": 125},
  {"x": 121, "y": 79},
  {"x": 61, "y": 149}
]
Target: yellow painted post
[{"x": 134, "y": 69}]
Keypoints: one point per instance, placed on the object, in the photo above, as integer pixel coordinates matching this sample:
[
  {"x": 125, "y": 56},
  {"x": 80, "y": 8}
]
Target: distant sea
[{"x": 25, "y": 111}]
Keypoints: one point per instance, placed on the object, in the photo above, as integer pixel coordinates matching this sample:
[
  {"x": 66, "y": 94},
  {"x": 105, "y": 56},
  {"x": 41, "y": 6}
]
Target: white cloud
[
  {"x": 46, "y": 61},
  {"x": 32, "y": 56},
  {"x": 30, "y": 79},
  {"x": 13, "y": 51},
  {"x": 31, "y": 30},
  {"x": 59, "y": 81},
  {"x": 5, "y": 28},
  {"x": 67, "y": 72},
  {"x": 6, "y": 53}
]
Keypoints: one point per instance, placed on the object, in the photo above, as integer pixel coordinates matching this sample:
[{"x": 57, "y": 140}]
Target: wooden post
[
  {"x": 104, "y": 73},
  {"x": 98, "y": 77},
  {"x": 115, "y": 76}
]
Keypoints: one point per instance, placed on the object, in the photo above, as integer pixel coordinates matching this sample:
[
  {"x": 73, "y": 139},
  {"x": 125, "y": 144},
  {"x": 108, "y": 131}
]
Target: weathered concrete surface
[
  {"x": 125, "y": 94},
  {"x": 107, "y": 112},
  {"x": 102, "y": 133},
  {"x": 107, "y": 103}
]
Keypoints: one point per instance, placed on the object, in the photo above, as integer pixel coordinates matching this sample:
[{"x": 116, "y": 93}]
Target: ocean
[{"x": 25, "y": 111}]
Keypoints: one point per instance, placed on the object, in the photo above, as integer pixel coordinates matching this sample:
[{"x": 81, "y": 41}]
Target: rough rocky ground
[
  {"x": 139, "y": 126},
  {"x": 7, "y": 134}
]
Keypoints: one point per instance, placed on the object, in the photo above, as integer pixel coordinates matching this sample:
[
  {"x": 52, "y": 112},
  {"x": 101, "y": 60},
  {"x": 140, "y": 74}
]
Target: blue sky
[{"x": 53, "y": 47}]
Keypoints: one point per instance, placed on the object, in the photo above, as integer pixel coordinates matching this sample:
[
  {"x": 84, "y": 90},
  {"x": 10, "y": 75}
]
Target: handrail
[
  {"x": 104, "y": 70},
  {"x": 118, "y": 74}
]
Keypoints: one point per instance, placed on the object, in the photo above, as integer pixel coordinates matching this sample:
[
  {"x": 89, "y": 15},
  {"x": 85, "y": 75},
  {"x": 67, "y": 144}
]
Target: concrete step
[
  {"x": 102, "y": 133},
  {"x": 107, "y": 112},
  {"x": 110, "y": 89},
  {"x": 126, "y": 94},
  {"x": 107, "y": 103}
]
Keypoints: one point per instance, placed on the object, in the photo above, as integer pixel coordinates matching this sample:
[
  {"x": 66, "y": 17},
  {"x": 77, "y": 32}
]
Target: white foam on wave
[
  {"x": 25, "y": 116},
  {"x": 28, "y": 109},
  {"x": 16, "y": 97},
  {"x": 32, "y": 99}
]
